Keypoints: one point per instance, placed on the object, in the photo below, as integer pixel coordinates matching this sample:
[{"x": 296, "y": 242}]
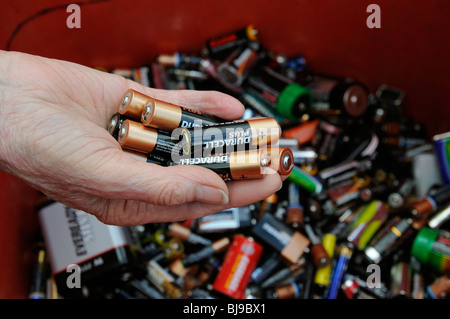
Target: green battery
[
  {"x": 305, "y": 180},
  {"x": 432, "y": 247}
]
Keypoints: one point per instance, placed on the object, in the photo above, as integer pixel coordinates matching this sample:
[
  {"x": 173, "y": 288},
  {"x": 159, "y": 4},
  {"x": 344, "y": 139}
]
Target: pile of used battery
[{"x": 364, "y": 213}]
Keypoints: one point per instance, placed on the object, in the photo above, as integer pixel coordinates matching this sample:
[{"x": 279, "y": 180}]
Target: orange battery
[{"x": 303, "y": 133}]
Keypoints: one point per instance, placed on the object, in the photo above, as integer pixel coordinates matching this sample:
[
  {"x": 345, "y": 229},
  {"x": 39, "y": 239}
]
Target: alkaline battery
[
  {"x": 389, "y": 238},
  {"x": 286, "y": 97},
  {"x": 114, "y": 124},
  {"x": 232, "y": 219},
  {"x": 178, "y": 59},
  {"x": 239, "y": 263},
  {"x": 291, "y": 244},
  {"x": 397, "y": 199},
  {"x": 344, "y": 253},
  {"x": 233, "y": 166},
  {"x": 432, "y": 202},
  {"x": 335, "y": 96},
  {"x": 215, "y": 247},
  {"x": 441, "y": 144},
  {"x": 432, "y": 247},
  {"x": 219, "y": 47},
  {"x": 238, "y": 135},
  {"x": 232, "y": 72},
  {"x": 325, "y": 141},
  {"x": 167, "y": 116},
  {"x": 318, "y": 253},
  {"x": 133, "y": 103},
  {"x": 159, "y": 146},
  {"x": 40, "y": 274},
  {"x": 305, "y": 180},
  {"x": 295, "y": 216},
  {"x": 184, "y": 233},
  {"x": 369, "y": 219}
]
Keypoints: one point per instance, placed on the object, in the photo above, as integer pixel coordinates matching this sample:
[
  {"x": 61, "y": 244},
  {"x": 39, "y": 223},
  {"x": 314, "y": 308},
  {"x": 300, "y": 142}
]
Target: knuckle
[{"x": 172, "y": 194}]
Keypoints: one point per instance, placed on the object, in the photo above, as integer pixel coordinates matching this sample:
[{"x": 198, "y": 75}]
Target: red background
[{"x": 410, "y": 52}]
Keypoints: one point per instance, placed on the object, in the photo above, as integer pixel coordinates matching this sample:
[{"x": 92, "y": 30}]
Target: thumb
[{"x": 125, "y": 177}]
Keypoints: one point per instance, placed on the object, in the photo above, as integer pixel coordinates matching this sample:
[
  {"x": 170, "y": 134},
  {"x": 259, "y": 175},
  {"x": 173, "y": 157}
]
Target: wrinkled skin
[{"x": 53, "y": 116}]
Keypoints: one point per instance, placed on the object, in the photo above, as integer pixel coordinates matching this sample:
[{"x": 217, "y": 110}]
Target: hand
[{"x": 53, "y": 118}]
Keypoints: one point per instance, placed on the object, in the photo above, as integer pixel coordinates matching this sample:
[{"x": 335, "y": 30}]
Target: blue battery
[{"x": 442, "y": 148}]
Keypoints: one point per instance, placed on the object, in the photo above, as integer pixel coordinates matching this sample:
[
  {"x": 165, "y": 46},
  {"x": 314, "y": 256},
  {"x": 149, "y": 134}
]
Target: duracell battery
[
  {"x": 167, "y": 116},
  {"x": 133, "y": 103},
  {"x": 114, "y": 124},
  {"x": 159, "y": 146},
  {"x": 233, "y": 136},
  {"x": 233, "y": 166}
]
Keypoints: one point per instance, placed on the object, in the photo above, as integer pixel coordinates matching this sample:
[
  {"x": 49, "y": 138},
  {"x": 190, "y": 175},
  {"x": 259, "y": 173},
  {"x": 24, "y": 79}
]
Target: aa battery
[
  {"x": 114, "y": 124},
  {"x": 239, "y": 263},
  {"x": 432, "y": 201},
  {"x": 233, "y": 166},
  {"x": 215, "y": 247},
  {"x": 388, "y": 239},
  {"x": 238, "y": 135},
  {"x": 219, "y": 47},
  {"x": 286, "y": 97},
  {"x": 232, "y": 72},
  {"x": 40, "y": 275},
  {"x": 178, "y": 59},
  {"x": 344, "y": 254},
  {"x": 318, "y": 253},
  {"x": 159, "y": 146},
  {"x": 167, "y": 116},
  {"x": 397, "y": 199},
  {"x": 184, "y": 233},
  {"x": 305, "y": 180},
  {"x": 294, "y": 210},
  {"x": 369, "y": 220},
  {"x": 132, "y": 104}
]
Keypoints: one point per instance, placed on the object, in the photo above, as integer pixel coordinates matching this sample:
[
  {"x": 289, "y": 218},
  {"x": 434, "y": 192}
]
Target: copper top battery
[
  {"x": 233, "y": 136},
  {"x": 167, "y": 116},
  {"x": 282, "y": 159},
  {"x": 133, "y": 103},
  {"x": 233, "y": 166},
  {"x": 159, "y": 146}
]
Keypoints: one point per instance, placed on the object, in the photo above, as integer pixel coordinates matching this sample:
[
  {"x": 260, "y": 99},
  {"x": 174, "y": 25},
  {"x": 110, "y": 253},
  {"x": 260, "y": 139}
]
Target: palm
[{"x": 75, "y": 161}]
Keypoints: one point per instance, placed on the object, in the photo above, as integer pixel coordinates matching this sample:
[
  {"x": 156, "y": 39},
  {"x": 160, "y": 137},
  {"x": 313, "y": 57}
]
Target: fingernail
[{"x": 208, "y": 194}]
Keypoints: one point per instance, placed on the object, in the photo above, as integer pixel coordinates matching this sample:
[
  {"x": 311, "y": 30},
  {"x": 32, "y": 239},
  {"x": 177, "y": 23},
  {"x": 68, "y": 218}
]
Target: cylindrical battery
[
  {"x": 233, "y": 166},
  {"x": 388, "y": 239},
  {"x": 338, "y": 96},
  {"x": 288, "y": 98},
  {"x": 132, "y": 104},
  {"x": 232, "y": 72},
  {"x": 325, "y": 141},
  {"x": 215, "y": 247},
  {"x": 434, "y": 199},
  {"x": 167, "y": 116},
  {"x": 218, "y": 47},
  {"x": 159, "y": 146},
  {"x": 114, "y": 124},
  {"x": 240, "y": 261},
  {"x": 432, "y": 247},
  {"x": 233, "y": 136}
]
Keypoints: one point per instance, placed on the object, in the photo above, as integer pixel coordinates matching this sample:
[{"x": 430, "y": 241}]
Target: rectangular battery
[
  {"x": 291, "y": 244},
  {"x": 76, "y": 237}
]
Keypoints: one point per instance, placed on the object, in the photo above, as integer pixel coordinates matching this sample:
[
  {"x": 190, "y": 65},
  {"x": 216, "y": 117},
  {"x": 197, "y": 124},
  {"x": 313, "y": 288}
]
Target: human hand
[{"x": 53, "y": 118}]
